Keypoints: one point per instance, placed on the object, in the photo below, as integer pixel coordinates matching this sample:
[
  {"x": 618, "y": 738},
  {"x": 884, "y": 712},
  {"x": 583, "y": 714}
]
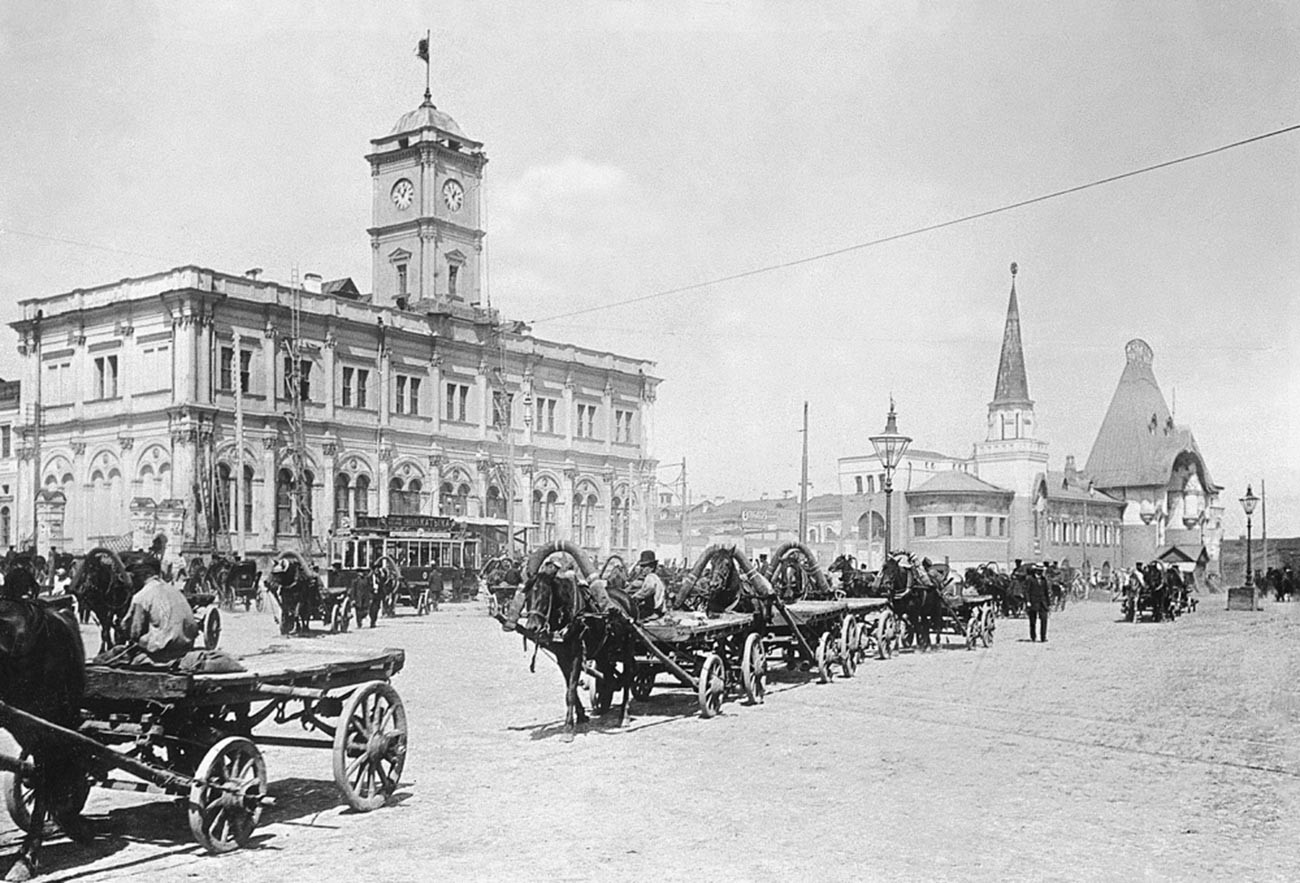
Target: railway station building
[{"x": 203, "y": 404}]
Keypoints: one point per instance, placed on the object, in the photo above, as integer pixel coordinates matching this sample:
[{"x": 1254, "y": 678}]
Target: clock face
[
  {"x": 453, "y": 195},
  {"x": 403, "y": 193}
]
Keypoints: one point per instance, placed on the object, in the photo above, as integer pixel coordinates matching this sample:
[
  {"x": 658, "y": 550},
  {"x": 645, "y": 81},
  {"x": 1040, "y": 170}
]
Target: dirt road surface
[{"x": 1114, "y": 752}]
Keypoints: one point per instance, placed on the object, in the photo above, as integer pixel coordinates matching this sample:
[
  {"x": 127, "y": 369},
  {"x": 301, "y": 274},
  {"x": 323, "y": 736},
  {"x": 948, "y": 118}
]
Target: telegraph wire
[
  {"x": 66, "y": 241},
  {"x": 820, "y": 256}
]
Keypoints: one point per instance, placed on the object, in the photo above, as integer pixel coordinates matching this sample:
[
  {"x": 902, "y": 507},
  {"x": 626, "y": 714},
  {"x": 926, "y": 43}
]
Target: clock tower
[{"x": 427, "y": 236}]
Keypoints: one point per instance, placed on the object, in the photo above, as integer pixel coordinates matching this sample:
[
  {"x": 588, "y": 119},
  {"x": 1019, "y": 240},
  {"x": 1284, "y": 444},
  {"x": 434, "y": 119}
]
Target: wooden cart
[
  {"x": 711, "y": 654},
  {"x": 197, "y": 735}
]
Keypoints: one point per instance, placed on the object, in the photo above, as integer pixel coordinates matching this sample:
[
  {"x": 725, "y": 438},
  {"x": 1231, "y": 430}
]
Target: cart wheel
[
  {"x": 20, "y": 798},
  {"x": 212, "y": 629},
  {"x": 825, "y": 655},
  {"x": 345, "y": 617},
  {"x": 370, "y": 746},
  {"x": 259, "y": 602},
  {"x": 903, "y": 636},
  {"x": 225, "y": 798},
  {"x": 643, "y": 682},
  {"x": 849, "y": 639},
  {"x": 973, "y": 628},
  {"x": 712, "y": 685},
  {"x": 422, "y": 607},
  {"x": 990, "y": 624},
  {"x": 753, "y": 669}
]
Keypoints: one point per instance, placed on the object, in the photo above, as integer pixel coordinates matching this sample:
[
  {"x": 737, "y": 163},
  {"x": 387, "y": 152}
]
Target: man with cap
[
  {"x": 648, "y": 590},
  {"x": 1037, "y": 601},
  {"x": 159, "y": 621}
]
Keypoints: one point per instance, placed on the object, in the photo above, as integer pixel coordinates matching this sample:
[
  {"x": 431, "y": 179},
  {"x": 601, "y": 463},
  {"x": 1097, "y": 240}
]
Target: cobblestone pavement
[{"x": 1116, "y": 751}]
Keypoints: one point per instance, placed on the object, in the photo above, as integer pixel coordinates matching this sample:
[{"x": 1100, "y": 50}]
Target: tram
[{"x": 431, "y": 551}]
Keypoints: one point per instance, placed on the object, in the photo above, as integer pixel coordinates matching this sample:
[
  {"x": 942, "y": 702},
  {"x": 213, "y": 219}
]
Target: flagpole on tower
[{"x": 422, "y": 50}]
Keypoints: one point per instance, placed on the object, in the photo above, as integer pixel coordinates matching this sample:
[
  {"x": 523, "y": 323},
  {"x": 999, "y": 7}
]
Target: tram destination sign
[{"x": 405, "y": 522}]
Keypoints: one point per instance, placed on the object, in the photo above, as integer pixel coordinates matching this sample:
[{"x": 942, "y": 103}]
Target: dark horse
[
  {"x": 584, "y": 626},
  {"x": 297, "y": 590},
  {"x": 913, "y": 597},
  {"x": 855, "y": 582},
  {"x": 43, "y": 673},
  {"x": 103, "y": 586}
]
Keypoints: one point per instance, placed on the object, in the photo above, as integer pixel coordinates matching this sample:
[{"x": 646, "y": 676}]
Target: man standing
[
  {"x": 1037, "y": 602},
  {"x": 649, "y": 591}
]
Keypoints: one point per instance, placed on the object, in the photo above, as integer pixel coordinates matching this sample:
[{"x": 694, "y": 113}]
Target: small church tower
[{"x": 1011, "y": 456}]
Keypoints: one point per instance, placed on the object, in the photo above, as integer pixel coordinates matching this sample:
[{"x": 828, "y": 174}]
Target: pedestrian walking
[{"x": 1038, "y": 603}]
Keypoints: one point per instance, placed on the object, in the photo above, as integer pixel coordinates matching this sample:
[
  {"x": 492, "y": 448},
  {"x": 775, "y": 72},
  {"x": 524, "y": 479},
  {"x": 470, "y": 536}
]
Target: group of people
[{"x": 1282, "y": 581}]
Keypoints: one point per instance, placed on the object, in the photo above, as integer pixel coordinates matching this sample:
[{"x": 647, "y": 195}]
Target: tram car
[{"x": 437, "y": 558}]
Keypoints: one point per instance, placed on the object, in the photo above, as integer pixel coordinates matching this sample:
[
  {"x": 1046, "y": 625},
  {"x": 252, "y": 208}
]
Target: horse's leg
[{"x": 24, "y": 867}]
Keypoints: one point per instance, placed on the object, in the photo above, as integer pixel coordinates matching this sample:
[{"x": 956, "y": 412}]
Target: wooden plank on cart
[
  {"x": 805, "y": 612},
  {"x": 680, "y": 626}
]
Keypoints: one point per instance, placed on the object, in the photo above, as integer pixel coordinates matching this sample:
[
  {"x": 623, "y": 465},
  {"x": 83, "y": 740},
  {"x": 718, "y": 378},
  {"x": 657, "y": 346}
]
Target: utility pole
[
  {"x": 803, "y": 482},
  {"x": 237, "y": 364},
  {"x": 1263, "y": 524},
  {"x": 685, "y": 551}
]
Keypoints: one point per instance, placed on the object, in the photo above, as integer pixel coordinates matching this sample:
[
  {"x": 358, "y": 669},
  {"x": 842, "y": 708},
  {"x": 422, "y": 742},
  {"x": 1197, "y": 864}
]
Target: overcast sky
[{"x": 639, "y": 147}]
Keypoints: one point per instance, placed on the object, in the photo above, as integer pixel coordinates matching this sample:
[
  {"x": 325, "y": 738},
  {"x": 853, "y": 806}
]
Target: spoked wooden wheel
[
  {"x": 849, "y": 639},
  {"x": 753, "y": 669},
  {"x": 212, "y": 629},
  {"x": 712, "y": 686},
  {"x": 226, "y": 796},
  {"x": 20, "y": 798},
  {"x": 370, "y": 746},
  {"x": 990, "y": 624},
  {"x": 974, "y": 625},
  {"x": 825, "y": 657}
]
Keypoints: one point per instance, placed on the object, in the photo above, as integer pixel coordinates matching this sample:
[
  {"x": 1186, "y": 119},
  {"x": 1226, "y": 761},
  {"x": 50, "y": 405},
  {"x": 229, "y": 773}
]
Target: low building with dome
[{"x": 167, "y": 403}]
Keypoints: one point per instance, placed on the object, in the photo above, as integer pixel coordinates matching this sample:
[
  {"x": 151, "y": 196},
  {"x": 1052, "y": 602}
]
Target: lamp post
[
  {"x": 1248, "y": 503},
  {"x": 890, "y": 446}
]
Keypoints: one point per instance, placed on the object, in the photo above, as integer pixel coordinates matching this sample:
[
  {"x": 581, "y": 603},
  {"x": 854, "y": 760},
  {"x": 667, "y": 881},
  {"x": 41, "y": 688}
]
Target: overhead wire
[{"x": 916, "y": 231}]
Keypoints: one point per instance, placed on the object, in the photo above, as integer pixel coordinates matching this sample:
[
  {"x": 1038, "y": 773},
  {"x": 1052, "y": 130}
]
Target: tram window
[
  {"x": 455, "y": 555},
  {"x": 349, "y": 555},
  {"x": 471, "y": 556},
  {"x": 424, "y": 554}
]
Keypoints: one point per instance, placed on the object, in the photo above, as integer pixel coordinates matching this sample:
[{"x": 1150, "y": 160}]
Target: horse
[
  {"x": 297, "y": 591},
  {"x": 855, "y": 581},
  {"x": 912, "y": 596},
  {"x": 584, "y": 627},
  {"x": 43, "y": 673},
  {"x": 102, "y": 585}
]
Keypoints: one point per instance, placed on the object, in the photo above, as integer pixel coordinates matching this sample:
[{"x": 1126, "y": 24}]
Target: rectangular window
[
  {"x": 944, "y": 527},
  {"x": 106, "y": 377},
  {"x": 1002, "y": 527},
  {"x": 363, "y": 384},
  {"x": 226, "y": 376},
  {"x": 345, "y": 398},
  {"x": 971, "y": 526},
  {"x": 988, "y": 526},
  {"x": 413, "y": 390},
  {"x": 457, "y": 402},
  {"x": 545, "y": 414},
  {"x": 918, "y": 527},
  {"x": 304, "y": 379},
  {"x": 452, "y": 272},
  {"x": 399, "y": 403},
  {"x": 6, "y": 441},
  {"x": 871, "y": 484},
  {"x": 623, "y": 426},
  {"x": 401, "y": 280},
  {"x": 245, "y": 371},
  {"x": 155, "y": 370},
  {"x": 57, "y": 389},
  {"x": 857, "y": 480},
  {"x": 586, "y": 427}
]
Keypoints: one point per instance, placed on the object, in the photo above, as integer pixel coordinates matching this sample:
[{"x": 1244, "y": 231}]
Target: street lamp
[
  {"x": 890, "y": 446},
  {"x": 1248, "y": 503}
]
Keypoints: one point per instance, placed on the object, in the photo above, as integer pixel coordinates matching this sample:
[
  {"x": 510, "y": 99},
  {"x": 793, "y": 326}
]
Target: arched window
[
  {"x": 342, "y": 499},
  {"x": 414, "y": 489},
  {"x": 584, "y": 519},
  {"x": 453, "y": 499},
  {"x": 618, "y": 518},
  {"x": 247, "y": 524},
  {"x": 404, "y": 499},
  {"x": 6, "y": 527},
  {"x": 545, "y": 503},
  {"x": 361, "y": 496},
  {"x": 496, "y": 504},
  {"x": 284, "y": 502}
]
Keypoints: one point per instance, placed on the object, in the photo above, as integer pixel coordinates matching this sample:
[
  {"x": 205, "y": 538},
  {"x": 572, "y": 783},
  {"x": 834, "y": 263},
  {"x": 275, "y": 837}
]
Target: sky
[{"x": 638, "y": 147}]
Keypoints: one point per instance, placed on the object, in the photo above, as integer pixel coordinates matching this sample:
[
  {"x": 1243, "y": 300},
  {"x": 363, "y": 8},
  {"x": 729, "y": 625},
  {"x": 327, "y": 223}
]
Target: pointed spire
[{"x": 1012, "y": 386}]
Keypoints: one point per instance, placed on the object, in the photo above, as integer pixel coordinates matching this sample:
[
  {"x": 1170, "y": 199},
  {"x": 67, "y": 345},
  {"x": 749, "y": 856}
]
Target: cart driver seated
[
  {"x": 648, "y": 590},
  {"x": 160, "y": 623}
]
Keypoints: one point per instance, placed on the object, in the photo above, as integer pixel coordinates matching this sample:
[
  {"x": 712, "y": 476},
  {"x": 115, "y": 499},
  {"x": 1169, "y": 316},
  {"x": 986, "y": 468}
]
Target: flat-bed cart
[
  {"x": 192, "y": 735},
  {"x": 710, "y": 654},
  {"x": 820, "y": 633},
  {"x": 877, "y": 632},
  {"x": 969, "y": 617}
]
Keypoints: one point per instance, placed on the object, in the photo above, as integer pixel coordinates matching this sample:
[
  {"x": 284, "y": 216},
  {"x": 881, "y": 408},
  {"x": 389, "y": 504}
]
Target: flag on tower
[{"x": 422, "y": 50}]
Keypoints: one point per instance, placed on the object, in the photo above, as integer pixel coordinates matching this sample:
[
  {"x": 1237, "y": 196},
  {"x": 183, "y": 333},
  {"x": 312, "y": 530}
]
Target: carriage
[
  {"x": 197, "y": 736},
  {"x": 972, "y": 619},
  {"x": 302, "y": 596}
]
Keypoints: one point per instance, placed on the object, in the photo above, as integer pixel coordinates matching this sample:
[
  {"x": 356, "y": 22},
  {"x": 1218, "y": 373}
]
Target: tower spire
[{"x": 1012, "y": 386}]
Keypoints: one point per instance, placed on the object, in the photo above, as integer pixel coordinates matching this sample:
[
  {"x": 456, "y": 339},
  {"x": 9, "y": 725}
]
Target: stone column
[
  {"x": 567, "y": 489},
  {"x": 435, "y": 482},
  {"x": 329, "y": 366},
  {"x": 484, "y": 399},
  {"x": 569, "y": 413},
  {"x": 266, "y": 528},
  {"x": 435, "y": 384},
  {"x": 607, "y": 406},
  {"x": 604, "y": 525},
  {"x": 330, "y": 466},
  {"x": 385, "y": 475},
  {"x": 183, "y": 344}
]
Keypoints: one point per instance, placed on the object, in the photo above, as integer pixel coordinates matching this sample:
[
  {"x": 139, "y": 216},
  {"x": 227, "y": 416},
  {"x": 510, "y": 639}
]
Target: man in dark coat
[{"x": 1038, "y": 602}]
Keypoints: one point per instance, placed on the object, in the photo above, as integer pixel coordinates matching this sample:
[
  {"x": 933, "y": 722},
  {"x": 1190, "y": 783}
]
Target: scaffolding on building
[{"x": 295, "y": 461}]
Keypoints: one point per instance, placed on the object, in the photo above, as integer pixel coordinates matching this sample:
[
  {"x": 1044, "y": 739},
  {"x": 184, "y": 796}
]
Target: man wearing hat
[
  {"x": 159, "y": 622},
  {"x": 648, "y": 590},
  {"x": 1038, "y": 601}
]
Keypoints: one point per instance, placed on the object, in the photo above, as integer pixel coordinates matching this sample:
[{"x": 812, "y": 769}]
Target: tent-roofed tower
[
  {"x": 1011, "y": 456},
  {"x": 1142, "y": 457}
]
